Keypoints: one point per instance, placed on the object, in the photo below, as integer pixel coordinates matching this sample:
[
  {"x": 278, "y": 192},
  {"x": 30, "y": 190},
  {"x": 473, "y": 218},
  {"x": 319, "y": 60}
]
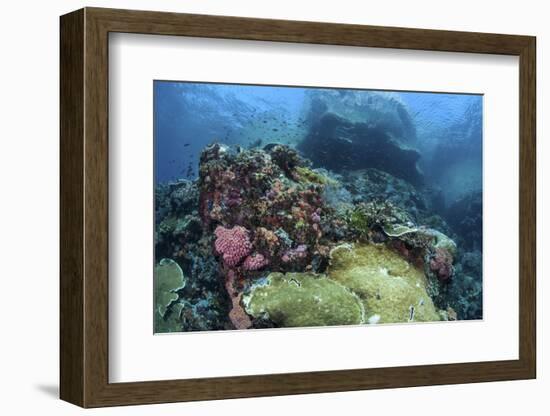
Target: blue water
[{"x": 446, "y": 128}]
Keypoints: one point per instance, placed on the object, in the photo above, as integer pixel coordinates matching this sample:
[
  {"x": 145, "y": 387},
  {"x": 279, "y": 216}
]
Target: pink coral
[
  {"x": 233, "y": 243},
  {"x": 442, "y": 264},
  {"x": 299, "y": 252},
  {"x": 255, "y": 262}
]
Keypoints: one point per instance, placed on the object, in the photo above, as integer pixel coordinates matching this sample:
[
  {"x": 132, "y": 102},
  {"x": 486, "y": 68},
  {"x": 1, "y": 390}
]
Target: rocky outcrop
[{"x": 340, "y": 145}]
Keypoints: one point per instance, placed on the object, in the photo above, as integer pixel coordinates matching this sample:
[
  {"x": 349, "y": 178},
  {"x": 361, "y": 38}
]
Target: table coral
[{"x": 169, "y": 280}]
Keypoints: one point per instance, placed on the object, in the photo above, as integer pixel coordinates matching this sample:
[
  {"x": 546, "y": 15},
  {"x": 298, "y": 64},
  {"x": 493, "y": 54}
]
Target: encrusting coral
[
  {"x": 303, "y": 299},
  {"x": 390, "y": 288},
  {"x": 365, "y": 283}
]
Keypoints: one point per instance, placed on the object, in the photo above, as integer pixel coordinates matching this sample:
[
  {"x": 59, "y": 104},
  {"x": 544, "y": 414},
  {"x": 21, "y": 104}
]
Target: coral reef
[
  {"x": 265, "y": 208},
  {"x": 265, "y": 240},
  {"x": 315, "y": 206},
  {"x": 369, "y": 185}
]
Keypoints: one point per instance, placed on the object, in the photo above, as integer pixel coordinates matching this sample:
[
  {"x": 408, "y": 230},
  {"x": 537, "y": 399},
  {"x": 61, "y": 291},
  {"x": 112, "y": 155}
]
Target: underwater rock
[
  {"x": 383, "y": 110},
  {"x": 391, "y": 289},
  {"x": 303, "y": 299},
  {"x": 341, "y": 145},
  {"x": 169, "y": 280}
]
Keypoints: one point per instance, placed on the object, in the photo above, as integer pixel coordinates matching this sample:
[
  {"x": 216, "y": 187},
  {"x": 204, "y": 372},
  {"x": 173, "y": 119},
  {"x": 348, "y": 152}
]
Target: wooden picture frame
[{"x": 84, "y": 207}]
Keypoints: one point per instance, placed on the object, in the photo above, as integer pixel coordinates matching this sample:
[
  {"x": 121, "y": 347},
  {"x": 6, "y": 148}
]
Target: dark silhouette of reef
[{"x": 337, "y": 144}]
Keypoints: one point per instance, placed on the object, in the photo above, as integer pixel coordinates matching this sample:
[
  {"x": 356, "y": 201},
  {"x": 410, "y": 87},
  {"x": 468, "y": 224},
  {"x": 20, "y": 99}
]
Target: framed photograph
[{"x": 257, "y": 207}]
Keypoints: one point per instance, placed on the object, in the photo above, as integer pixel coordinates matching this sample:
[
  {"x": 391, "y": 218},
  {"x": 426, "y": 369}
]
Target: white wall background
[{"x": 29, "y": 160}]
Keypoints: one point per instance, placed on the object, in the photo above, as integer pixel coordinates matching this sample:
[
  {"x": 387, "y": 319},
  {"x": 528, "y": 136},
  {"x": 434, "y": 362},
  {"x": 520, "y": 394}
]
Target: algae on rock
[
  {"x": 391, "y": 289},
  {"x": 303, "y": 299}
]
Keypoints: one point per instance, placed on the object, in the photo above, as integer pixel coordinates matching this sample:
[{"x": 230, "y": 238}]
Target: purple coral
[
  {"x": 299, "y": 252},
  {"x": 233, "y": 243},
  {"x": 255, "y": 262}
]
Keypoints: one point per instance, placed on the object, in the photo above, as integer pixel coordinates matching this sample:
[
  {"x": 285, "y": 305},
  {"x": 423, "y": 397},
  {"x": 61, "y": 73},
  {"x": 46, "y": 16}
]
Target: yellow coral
[
  {"x": 303, "y": 299},
  {"x": 391, "y": 289}
]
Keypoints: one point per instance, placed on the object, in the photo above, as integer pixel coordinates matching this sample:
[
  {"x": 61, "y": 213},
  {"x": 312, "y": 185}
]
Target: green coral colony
[{"x": 320, "y": 233}]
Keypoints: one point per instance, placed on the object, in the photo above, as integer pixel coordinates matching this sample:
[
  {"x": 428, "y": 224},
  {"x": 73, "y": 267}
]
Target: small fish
[
  {"x": 275, "y": 129},
  {"x": 186, "y": 144}
]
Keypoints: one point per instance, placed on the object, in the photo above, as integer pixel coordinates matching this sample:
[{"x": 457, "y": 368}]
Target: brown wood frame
[{"x": 84, "y": 208}]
